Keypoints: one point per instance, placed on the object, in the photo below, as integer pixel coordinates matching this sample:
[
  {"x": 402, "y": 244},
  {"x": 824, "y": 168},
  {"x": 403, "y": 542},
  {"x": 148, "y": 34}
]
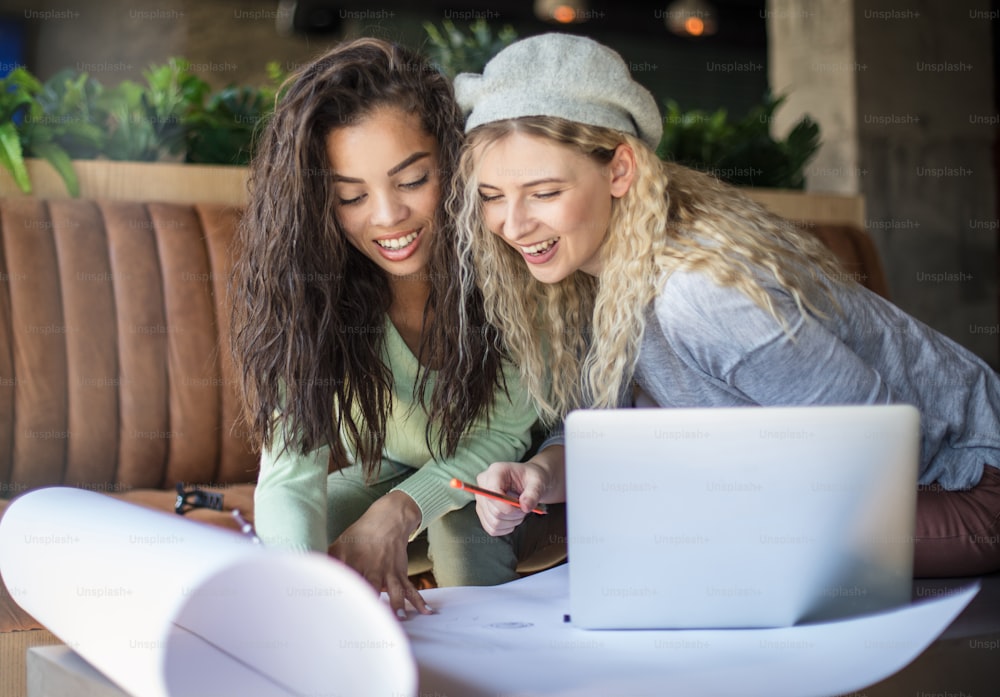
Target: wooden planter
[{"x": 137, "y": 181}]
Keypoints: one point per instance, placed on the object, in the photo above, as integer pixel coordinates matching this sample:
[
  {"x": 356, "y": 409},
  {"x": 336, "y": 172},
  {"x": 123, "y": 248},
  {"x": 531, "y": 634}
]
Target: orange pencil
[{"x": 497, "y": 496}]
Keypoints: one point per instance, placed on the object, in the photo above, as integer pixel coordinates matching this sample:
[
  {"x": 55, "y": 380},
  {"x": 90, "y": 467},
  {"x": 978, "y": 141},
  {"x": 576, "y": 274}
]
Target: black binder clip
[{"x": 190, "y": 499}]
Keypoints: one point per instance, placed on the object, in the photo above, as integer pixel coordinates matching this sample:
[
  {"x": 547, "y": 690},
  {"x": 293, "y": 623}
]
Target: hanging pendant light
[
  {"x": 561, "y": 11},
  {"x": 692, "y": 18}
]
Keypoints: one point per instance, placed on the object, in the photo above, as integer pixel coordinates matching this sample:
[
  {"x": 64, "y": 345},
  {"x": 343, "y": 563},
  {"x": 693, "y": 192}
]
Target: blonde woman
[{"x": 605, "y": 267}]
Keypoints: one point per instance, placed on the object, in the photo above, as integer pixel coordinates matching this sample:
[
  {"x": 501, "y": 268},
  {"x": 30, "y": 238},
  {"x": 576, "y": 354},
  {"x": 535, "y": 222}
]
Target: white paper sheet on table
[
  {"x": 512, "y": 641},
  {"x": 167, "y": 607},
  {"x": 163, "y": 606}
]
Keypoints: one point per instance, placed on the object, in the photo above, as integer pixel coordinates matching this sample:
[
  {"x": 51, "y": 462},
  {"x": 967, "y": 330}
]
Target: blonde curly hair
[{"x": 584, "y": 331}]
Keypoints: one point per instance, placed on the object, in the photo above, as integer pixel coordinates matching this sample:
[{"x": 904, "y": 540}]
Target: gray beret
[{"x": 562, "y": 75}]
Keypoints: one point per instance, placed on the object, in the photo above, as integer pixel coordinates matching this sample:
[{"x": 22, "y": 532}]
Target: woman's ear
[{"x": 622, "y": 168}]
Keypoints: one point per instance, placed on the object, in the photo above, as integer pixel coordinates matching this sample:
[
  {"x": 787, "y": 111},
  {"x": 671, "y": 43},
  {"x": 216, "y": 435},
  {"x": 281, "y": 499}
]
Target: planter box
[
  {"x": 810, "y": 207},
  {"x": 137, "y": 181},
  {"x": 182, "y": 183}
]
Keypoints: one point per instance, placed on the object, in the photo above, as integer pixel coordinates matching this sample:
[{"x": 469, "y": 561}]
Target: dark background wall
[
  {"x": 232, "y": 40},
  {"x": 927, "y": 224}
]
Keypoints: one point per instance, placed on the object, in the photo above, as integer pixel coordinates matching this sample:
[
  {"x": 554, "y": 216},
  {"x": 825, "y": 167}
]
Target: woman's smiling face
[
  {"x": 549, "y": 202},
  {"x": 386, "y": 180}
]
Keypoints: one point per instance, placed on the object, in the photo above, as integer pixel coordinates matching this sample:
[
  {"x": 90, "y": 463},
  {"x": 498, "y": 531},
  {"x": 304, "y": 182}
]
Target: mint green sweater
[{"x": 290, "y": 498}]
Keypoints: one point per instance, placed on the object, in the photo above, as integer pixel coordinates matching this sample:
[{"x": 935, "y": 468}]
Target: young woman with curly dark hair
[{"x": 366, "y": 396}]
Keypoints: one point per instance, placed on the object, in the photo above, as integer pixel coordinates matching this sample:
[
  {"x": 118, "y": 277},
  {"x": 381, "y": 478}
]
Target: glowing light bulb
[
  {"x": 564, "y": 14},
  {"x": 690, "y": 18},
  {"x": 694, "y": 26},
  {"x": 562, "y": 11}
]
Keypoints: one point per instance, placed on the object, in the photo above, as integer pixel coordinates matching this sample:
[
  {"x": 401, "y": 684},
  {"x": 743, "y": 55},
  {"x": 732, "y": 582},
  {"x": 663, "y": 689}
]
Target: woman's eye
[
  {"x": 350, "y": 201},
  {"x": 486, "y": 198},
  {"x": 547, "y": 194},
  {"x": 417, "y": 183}
]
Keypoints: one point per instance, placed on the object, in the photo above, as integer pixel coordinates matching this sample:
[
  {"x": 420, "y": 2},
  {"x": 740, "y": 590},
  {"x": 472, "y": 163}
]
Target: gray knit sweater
[{"x": 711, "y": 346}]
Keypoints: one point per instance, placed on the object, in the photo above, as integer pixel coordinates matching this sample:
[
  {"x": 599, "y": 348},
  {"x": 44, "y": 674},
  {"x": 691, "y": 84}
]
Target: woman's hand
[
  {"x": 539, "y": 480},
  {"x": 375, "y": 547}
]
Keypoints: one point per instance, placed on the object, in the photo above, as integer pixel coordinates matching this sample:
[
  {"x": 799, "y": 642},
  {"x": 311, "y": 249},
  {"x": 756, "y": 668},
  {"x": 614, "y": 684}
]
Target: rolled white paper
[{"x": 164, "y": 606}]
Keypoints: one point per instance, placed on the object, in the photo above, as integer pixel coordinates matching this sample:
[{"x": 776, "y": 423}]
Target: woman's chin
[{"x": 548, "y": 274}]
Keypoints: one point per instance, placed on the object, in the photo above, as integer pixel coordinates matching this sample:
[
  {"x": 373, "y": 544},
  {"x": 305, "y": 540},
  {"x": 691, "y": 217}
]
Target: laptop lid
[{"x": 742, "y": 517}]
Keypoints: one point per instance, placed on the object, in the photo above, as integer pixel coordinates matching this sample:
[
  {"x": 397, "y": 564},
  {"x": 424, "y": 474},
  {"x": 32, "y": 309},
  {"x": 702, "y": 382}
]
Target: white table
[{"x": 511, "y": 640}]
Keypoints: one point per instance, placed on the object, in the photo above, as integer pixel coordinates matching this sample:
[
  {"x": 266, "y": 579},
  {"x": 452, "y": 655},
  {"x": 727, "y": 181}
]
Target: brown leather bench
[{"x": 113, "y": 370}]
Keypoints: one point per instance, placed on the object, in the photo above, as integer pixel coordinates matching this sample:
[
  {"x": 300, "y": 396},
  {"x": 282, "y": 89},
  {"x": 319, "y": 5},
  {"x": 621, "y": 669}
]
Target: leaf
[
  {"x": 12, "y": 158},
  {"x": 22, "y": 78},
  {"x": 434, "y": 34},
  {"x": 58, "y": 158},
  {"x": 17, "y": 90}
]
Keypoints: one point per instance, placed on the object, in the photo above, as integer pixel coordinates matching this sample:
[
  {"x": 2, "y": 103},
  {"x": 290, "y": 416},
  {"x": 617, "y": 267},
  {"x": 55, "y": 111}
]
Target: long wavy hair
[
  {"x": 577, "y": 341},
  {"x": 309, "y": 309}
]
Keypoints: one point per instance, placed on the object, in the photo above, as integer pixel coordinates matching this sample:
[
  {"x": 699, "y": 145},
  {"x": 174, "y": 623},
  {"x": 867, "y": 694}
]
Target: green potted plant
[
  {"x": 55, "y": 121},
  {"x": 172, "y": 116},
  {"x": 149, "y": 122},
  {"x": 17, "y": 92},
  {"x": 223, "y": 131},
  {"x": 454, "y": 51},
  {"x": 743, "y": 151}
]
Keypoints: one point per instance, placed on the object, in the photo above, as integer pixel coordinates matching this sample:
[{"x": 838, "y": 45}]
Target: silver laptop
[{"x": 743, "y": 517}]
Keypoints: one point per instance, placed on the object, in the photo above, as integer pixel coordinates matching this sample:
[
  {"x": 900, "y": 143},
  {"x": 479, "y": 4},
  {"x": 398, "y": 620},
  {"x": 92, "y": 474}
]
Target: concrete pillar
[
  {"x": 811, "y": 60},
  {"x": 908, "y": 120}
]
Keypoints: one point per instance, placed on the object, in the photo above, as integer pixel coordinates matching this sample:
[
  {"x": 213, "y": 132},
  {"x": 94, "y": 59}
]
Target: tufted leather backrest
[
  {"x": 856, "y": 251},
  {"x": 114, "y": 372}
]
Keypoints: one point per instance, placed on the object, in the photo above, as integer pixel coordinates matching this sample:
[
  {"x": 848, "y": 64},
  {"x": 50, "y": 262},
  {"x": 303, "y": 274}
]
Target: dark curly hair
[{"x": 297, "y": 281}]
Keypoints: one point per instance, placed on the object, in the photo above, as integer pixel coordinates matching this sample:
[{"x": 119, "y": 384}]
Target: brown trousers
[{"x": 958, "y": 532}]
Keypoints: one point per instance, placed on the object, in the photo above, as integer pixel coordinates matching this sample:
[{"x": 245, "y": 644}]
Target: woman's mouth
[
  {"x": 398, "y": 242},
  {"x": 540, "y": 248},
  {"x": 400, "y": 247},
  {"x": 540, "y": 252}
]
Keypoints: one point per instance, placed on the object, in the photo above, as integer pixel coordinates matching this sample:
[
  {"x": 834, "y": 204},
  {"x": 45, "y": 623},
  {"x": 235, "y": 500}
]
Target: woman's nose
[{"x": 389, "y": 210}]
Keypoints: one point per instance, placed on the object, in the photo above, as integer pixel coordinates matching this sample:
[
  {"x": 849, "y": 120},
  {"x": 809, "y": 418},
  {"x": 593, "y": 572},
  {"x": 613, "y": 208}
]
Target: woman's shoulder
[
  {"x": 694, "y": 293},
  {"x": 693, "y": 308}
]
